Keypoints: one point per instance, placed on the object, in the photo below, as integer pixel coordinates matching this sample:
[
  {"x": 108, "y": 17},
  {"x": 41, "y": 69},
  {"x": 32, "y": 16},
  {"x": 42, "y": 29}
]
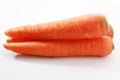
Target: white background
[{"x": 22, "y": 12}]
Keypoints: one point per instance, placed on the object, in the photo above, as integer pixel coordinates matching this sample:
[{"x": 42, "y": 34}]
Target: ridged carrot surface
[
  {"x": 83, "y": 47},
  {"x": 82, "y": 27},
  {"x": 109, "y": 33}
]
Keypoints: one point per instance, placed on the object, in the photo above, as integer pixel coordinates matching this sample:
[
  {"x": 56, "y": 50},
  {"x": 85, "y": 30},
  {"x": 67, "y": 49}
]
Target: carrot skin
[
  {"x": 61, "y": 48},
  {"x": 110, "y": 32},
  {"x": 82, "y": 27},
  {"x": 18, "y": 40}
]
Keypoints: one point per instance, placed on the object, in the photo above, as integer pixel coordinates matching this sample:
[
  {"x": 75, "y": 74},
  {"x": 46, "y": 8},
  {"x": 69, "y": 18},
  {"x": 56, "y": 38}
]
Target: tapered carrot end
[
  {"x": 6, "y": 46},
  {"x": 9, "y": 32},
  {"x": 6, "y": 32},
  {"x": 8, "y": 40},
  {"x": 9, "y": 46}
]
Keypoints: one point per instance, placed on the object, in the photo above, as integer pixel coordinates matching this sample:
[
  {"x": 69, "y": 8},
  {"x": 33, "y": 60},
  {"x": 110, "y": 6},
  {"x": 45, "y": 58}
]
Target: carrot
[
  {"x": 83, "y": 47},
  {"x": 82, "y": 27},
  {"x": 18, "y": 40},
  {"x": 110, "y": 31}
]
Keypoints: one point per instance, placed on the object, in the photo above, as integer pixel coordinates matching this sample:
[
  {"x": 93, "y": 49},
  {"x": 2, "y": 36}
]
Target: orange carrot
[
  {"x": 82, "y": 27},
  {"x": 83, "y": 47},
  {"x": 18, "y": 40},
  {"x": 110, "y": 31}
]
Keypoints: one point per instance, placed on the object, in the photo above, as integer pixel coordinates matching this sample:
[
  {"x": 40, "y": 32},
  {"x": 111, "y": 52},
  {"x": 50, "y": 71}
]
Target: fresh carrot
[
  {"x": 110, "y": 31},
  {"x": 18, "y": 40},
  {"x": 83, "y": 47},
  {"x": 82, "y": 27}
]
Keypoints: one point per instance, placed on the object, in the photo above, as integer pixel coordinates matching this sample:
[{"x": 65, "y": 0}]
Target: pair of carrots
[{"x": 87, "y": 35}]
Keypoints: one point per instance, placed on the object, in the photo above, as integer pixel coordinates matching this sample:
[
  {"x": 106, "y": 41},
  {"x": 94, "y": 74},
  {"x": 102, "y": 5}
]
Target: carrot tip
[
  {"x": 4, "y": 45},
  {"x": 6, "y": 32}
]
